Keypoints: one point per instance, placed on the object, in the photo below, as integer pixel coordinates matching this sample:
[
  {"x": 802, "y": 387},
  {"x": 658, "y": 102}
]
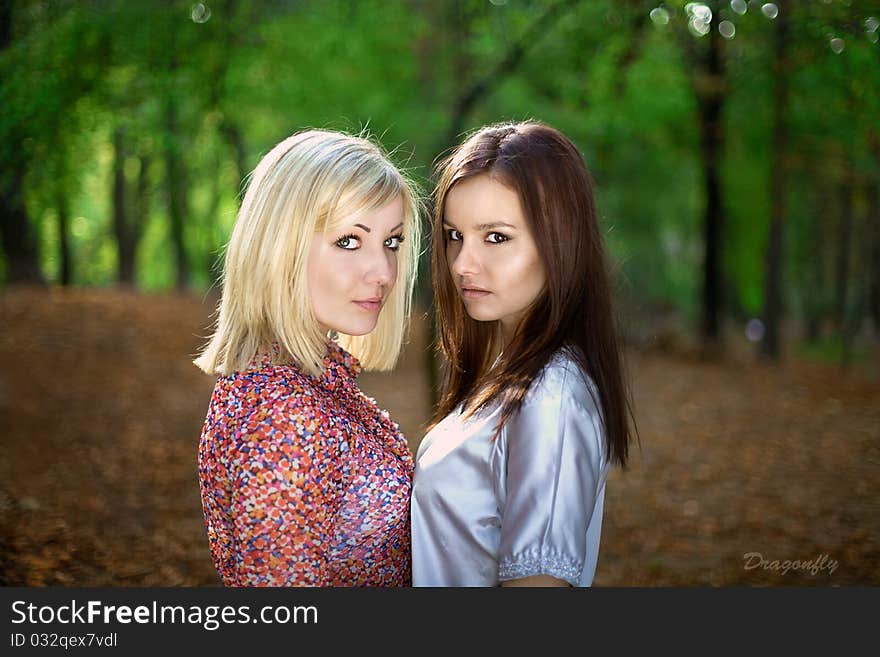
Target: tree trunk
[
  {"x": 175, "y": 178},
  {"x": 213, "y": 261},
  {"x": 232, "y": 133},
  {"x": 814, "y": 282},
  {"x": 121, "y": 221},
  {"x": 17, "y": 235},
  {"x": 711, "y": 94},
  {"x": 66, "y": 274},
  {"x": 774, "y": 256},
  {"x": 874, "y": 231},
  {"x": 862, "y": 267},
  {"x": 874, "y": 257},
  {"x": 843, "y": 251},
  {"x": 638, "y": 20},
  {"x": 140, "y": 210}
]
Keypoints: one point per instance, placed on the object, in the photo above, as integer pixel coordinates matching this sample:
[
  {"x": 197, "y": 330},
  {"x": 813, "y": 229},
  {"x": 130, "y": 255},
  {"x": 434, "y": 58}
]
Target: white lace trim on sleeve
[{"x": 526, "y": 566}]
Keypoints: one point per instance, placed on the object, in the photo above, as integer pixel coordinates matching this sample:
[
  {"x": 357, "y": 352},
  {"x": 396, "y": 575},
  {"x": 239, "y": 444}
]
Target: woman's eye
[
  {"x": 393, "y": 242},
  {"x": 453, "y": 234},
  {"x": 349, "y": 242},
  {"x": 496, "y": 238}
]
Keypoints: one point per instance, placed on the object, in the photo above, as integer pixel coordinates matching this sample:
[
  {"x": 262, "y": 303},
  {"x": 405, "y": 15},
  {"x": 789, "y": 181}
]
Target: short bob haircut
[{"x": 307, "y": 184}]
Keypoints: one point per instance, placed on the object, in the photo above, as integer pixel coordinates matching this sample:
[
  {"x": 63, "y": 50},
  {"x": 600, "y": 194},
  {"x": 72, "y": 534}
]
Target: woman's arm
[
  {"x": 282, "y": 497},
  {"x": 551, "y": 480},
  {"x": 536, "y": 580},
  {"x": 216, "y": 494}
]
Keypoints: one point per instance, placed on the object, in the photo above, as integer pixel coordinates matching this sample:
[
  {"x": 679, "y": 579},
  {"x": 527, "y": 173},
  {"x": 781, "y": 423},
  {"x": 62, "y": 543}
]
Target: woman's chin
[
  {"x": 481, "y": 317},
  {"x": 356, "y": 329}
]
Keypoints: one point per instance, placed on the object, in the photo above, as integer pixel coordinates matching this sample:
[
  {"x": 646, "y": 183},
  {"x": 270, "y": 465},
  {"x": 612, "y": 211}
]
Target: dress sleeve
[
  {"x": 281, "y": 498},
  {"x": 555, "y": 460}
]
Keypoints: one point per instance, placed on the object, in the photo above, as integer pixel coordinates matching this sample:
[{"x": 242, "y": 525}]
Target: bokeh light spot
[
  {"x": 659, "y": 16},
  {"x": 200, "y": 13},
  {"x": 755, "y": 329},
  {"x": 727, "y": 29},
  {"x": 770, "y": 10}
]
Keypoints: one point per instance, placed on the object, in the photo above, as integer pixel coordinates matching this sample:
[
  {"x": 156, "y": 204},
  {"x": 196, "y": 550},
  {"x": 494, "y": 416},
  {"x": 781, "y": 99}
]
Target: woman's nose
[
  {"x": 380, "y": 270},
  {"x": 465, "y": 262}
]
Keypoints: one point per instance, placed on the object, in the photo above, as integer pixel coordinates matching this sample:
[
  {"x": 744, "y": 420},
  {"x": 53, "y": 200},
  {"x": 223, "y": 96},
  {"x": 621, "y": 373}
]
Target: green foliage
[{"x": 619, "y": 83}]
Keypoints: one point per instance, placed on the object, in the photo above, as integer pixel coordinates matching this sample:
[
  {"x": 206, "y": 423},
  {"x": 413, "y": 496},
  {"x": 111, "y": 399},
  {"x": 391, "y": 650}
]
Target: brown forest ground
[{"x": 100, "y": 413}]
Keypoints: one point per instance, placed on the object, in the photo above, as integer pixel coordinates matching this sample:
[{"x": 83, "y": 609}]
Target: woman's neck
[
  {"x": 506, "y": 330},
  {"x": 496, "y": 348}
]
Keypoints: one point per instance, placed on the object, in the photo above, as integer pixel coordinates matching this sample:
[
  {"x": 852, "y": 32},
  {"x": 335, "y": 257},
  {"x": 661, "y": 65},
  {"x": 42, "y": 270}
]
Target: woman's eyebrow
[
  {"x": 400, "y": 225},
  {"x": 495, "y": 224}
]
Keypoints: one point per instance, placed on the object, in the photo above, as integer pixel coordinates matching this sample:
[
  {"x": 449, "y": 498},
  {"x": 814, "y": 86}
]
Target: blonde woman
[{"x": 304, "y": 481}]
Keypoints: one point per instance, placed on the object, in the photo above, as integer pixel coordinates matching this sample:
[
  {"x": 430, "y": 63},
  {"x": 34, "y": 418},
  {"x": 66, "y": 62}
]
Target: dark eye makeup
[
  {"x": 494, "y": 237},
  {"x": 352, "y": 242}
]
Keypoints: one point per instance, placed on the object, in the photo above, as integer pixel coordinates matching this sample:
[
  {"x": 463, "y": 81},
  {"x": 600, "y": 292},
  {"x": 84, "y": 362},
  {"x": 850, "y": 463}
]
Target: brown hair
[{"x": 573, "y": 311}]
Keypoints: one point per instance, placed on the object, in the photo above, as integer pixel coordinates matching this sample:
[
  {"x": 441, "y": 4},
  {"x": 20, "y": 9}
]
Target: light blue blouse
[{"x": 528, "y": 503}]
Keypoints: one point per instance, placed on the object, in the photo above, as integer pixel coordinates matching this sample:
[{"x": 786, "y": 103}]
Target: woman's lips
[
  {"x": 474, "y": 293},
  {"x": 371, "y": 305}
]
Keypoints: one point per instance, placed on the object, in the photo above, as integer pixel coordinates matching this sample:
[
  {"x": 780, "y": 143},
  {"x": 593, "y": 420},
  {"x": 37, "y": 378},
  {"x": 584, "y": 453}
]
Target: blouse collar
[
  {"x": 340, "y": 356},
  {"x": 338, "y": 365}
]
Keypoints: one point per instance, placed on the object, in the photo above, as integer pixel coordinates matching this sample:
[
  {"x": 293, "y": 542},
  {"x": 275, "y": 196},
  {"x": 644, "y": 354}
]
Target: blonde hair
[{"x": 306, "y": 184}]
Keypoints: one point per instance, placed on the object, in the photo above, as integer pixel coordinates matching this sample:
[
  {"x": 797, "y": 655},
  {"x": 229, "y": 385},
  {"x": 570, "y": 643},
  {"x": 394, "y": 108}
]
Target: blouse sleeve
[
  {"x": 276, "y": 518},
  {"x": 555, "y": 455},
  {"x": 215, "y": 492}
]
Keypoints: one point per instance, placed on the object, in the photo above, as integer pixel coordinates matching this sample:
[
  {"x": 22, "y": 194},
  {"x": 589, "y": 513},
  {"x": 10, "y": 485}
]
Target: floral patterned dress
[{"x": 304, "y": 481}]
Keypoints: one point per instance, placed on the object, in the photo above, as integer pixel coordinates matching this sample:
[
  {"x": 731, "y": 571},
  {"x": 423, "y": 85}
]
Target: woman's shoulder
[
  {"x": 563, "y": 396},
  {"x": 272, "y": 392},
  {"x": 282, "y": 417},
  {"x": 563, "y": 380},
  {"x": 265, "y": 379}
]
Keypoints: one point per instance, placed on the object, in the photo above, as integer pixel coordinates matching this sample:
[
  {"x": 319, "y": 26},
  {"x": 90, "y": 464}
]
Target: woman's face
[
  {"x": 352, "y": 270},
  {"x": 490, "y": 251}
]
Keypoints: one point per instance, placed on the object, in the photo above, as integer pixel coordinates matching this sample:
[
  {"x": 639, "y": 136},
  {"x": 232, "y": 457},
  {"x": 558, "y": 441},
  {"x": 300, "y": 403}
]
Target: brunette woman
[{"x": 509, "y": 483}]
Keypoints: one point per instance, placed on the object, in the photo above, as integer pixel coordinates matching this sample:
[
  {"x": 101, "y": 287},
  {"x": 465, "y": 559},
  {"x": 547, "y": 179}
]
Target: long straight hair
[{"x": 574, "y": 310}]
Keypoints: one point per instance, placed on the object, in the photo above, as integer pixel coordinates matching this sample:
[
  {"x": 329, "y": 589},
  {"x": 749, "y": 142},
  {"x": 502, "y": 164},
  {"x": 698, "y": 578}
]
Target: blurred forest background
[{"x": 736, "y": 151}]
